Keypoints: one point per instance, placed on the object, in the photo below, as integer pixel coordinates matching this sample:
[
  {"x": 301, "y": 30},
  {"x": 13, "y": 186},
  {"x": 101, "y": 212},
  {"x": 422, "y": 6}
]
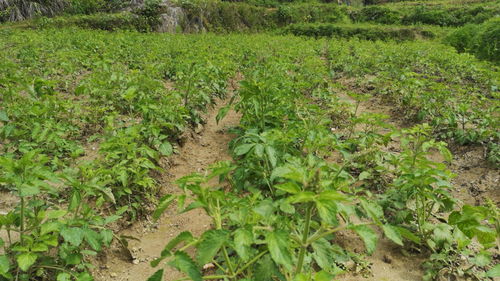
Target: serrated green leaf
[
  {"x": 322, "y": 254},
  {"x": 373, "y": 210},
  {"x": 408, "y": 234},
  {"x": 63, "y": 276},
  {"x": 211, "y": 242},
  {"x": 302, "y": 197},
  {"x": 243, "y": 149},
  {"x": 368, "y": 236},
  {"x": 364, "y": 175},
  {"x": 165, "y": 201},
  {"x": 49, "y": 227},
  {"x": 265, "y": 269},
  {"x": 84, "y": 276},
  {"x": 392, "y": 233},
  {"x": 243, "y": 239},
  {"x": 106, "y": 236},
  {"x": 4, "y": 264},
  {"x": 166, "y": 149},
  {"x": 277, "y": 242},
  {"x": 75, "y": 200},
  {"x": 184, "y": 236},
  {"x": 26, "y": 260},
  {"x": 485, "y": 235},
  {"x": 3, "y": 116},
  {"x": 271, "y": 155},
  {"x": 265, "y": 208},
  {"x": 332, "y": 195},
  {"x": 39, "y": 247},
  {"x": 327, "y": 210},
  {"x": 93, "y": 238},
  {"x": 288, "y": 172},
  {"x": 323, "y": 276},
  {"x": 55, "y": 214},
  {"x": 186, "y": 265},
  {"x": 301, "y": 277},
  {"x": 72, "y": 235},
  {"x": 73, "y": 259},
  {"x": 494, "y": 272},
  {"x": 157, "y": 276},
  {"x": 290, "y": 187},
  {"x": 482, "y": 259},
  {"x": 222, "y": 113},
  {"x": 28, "y": 190}
]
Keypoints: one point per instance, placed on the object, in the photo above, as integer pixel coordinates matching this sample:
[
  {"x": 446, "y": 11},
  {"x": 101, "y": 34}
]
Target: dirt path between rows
[
  {"x": 388, "y": 262},
  {"x": 196, "y": 155}
]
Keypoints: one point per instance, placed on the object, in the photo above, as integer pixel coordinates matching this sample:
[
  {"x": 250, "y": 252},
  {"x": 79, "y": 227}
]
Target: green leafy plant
[{"x": 40, "y": 226}]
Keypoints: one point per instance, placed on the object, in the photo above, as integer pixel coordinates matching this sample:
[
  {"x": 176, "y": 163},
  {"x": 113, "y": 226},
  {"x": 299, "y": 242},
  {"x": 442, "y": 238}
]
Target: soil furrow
[{"x": 202, "y": 148}]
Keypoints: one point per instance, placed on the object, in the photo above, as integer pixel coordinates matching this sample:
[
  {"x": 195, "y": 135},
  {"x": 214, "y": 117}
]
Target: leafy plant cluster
[
  {"x": 363, "y": 32},
  {"x": 87, "y": 123},
  {"x": 442, "y": 15},
  {"x": 87, "y": 116},
  {"x": 481, "y": 40},
  {"x": 307, "y": 166},
  {"x": 427, "y": 83}
]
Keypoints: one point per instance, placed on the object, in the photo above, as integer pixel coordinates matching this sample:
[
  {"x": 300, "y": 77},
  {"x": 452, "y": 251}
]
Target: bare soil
[{"x": 203, "y": 147}]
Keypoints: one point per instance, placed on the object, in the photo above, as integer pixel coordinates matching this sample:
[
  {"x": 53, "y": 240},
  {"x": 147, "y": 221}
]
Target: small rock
[
  {"x": 113, "y": 275},
  {"x": 208, "y": 266},
  {"x": 136, "y": 261},
  {"x": 386, "y": 259},
  {"x": 198, "y": 129}
]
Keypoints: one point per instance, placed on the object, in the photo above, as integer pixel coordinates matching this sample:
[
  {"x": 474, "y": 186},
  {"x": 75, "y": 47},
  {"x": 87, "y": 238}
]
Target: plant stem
[
  {"x": 58, "y": 268},
  {"x": 228, "y": 261},
  {"x": 333, "y": 230},
  {"x": 22, "y": 221},
  {"x": 305, "y": 235},
  {"x": 250, "y": 263},
  {"x": 210, "y": 277},
  {"x": 218, "y": 224}
]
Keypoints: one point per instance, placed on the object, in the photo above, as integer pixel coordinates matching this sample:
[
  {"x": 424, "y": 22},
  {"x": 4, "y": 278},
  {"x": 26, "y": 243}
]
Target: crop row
[
  {"x": 87, "y": 116},
  {"x": 306, "y": 166}
]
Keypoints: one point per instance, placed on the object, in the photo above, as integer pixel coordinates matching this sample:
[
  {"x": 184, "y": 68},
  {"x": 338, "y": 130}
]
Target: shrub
[
  {"x": 488, "y": 41},
  {"x": 94, "y": 6},
  {"x": 463, "y": 38},
  {"x": 361, "y": 32},
  {"x": 302, "y": 13},
  {"x": 481, "y": 40},
  {"x": 225, "y": 16},
  {"x": 103, "y": 21},
  {"x": 86, "y": 6},
  {"x": 376, "y": 14},
  {"x": 449, "y": 16}
]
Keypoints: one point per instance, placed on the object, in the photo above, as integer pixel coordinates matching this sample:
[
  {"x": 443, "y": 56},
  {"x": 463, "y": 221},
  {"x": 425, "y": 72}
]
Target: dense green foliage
[
  {"x": 428, "y": 82},
  {"x": 365, "y": 32},
  {"x": 482, "y": 40},
  {"x": 452, "y": 15},
  {"x": 88, "y": 118},
  {"x": 92, "y": 118}
]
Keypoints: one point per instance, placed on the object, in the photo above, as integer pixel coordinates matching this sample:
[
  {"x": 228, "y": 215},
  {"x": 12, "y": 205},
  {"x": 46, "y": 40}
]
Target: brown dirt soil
[
  {"x": 387, "y": 263},
  {"x": 196, "y": 155}
]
